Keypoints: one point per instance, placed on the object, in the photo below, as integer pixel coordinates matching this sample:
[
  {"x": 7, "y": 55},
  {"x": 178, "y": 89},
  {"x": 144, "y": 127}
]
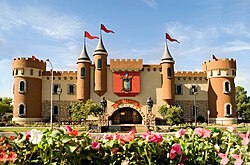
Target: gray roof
[
  {"x": 83, "y": 56},
  {"x": 167, "y": 56},
  {"x": 100, "y": 49}
]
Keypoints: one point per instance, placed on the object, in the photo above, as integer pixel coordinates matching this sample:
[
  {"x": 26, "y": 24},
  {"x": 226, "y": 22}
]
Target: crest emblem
[{"x": 126, "y": 82}]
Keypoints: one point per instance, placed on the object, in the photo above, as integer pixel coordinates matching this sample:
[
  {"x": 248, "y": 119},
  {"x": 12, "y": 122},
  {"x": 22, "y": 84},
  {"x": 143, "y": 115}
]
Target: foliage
[
  {"x": 200, "y": 119},
  {"x": 5, "y": 105},
  {"x": 242, "y": 101},
  {"x": 81, "y": 110},
  {"x": 67, "y": 146},
  {"x": 171, "y": 113}
]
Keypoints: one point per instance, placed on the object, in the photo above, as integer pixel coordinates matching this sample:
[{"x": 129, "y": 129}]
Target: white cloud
[{"x": 151, "y": 3}]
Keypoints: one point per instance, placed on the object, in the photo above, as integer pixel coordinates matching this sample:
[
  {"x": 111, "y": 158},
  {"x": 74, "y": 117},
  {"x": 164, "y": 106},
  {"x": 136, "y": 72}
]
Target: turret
[
  {"x": 100, "y": 61},
  {"x": 221, "y": 89},
  {"x": 83, "y": 75},
  {"x": 167, "y": 63},
  {"x": 27, "y": 89}
]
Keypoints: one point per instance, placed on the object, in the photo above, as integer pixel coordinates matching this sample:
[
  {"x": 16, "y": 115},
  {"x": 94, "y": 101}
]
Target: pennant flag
[
  {"x": 33, "y": 57},
  {"x": 90, "y": 36},
  {"x": 105, "y": 29},
  {"x": 215, "y": 58},
  {"x": 171, "y": 39}
]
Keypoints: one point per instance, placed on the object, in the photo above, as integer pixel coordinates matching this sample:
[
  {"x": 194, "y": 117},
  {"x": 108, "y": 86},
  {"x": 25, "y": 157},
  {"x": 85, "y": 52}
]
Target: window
[
  {"x": 99, "y": 64},
  {"x": 31, "y": 71},
  {"x": 39, "y": 73},
  {"x": 228, "y": 109},
  {"x": 55, "y": 87},
  {"x": 22, "y": 86},
  {"x": 83, "y": 72},
  {"x": 71, "y": 88},
  {"x": 16, "y": 72},
  {"x": 178, "y": 89},
  {"x": 226, "y": 87},
  {"x": 21, "y": 110},
  {"x": 193, "y": 89},
  {"x": 55, "y": 110},
  {"x": 169, "y": 72}
]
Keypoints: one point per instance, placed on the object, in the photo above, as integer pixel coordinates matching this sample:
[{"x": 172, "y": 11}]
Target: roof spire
[
  {"x": 166, "y": 55},
  {"x": 100, "y": 47},
  {"x": 84, "y": 55}
]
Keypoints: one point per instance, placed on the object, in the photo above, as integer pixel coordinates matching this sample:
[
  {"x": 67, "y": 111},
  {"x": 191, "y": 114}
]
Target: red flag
[
  {"x": 90, "y": 36},
  {"x": 105, "y": 29},
  {"x": 171, "y": 39},
  {"x": 215, "y": 58},
  {"x": 33, "y": 57}
]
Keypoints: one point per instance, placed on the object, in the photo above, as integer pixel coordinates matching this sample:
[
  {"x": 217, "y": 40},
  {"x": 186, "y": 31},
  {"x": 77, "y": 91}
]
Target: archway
[{"x": 126, "y": 115}]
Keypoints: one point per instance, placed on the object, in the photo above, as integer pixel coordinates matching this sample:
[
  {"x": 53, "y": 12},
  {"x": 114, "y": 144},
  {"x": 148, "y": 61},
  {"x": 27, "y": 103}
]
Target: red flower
[
  {"x": 176, "y": 149},
  {"x": 180, "y": 133},
  {"x": 27, "y": 134},
  {"x": 114, "y": 150},
  {"x": 224, "y": 159},
  {"x": 202, "y": 132},
  {"x": 108, "y": 136},
  {"x": 152, "y": 137},
  {"x": 12, "y": 137},
  {"x": 3, "y": 157},
  {"x": 73, "y": 133},
  {"x": 245, "y": 138},
  {"x": 12, "y": 156},
  {"x": 95, "y": 145},
  {"x": 238, "y": 161},
  {"x": 68, "y": 128}
]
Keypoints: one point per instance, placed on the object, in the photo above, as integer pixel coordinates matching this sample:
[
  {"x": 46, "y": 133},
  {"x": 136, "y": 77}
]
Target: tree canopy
[
  {"x": 81, "y": 110},
  {"x": 242, "y": 102},
  {"x": 5, "y": 105},
  {"x": 171, "y": 113}
]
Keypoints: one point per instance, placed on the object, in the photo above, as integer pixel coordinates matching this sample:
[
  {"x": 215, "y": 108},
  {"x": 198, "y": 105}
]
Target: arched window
[
  {"x": 22, "y": 86},
  {"x": 99, "y": 64},
  {"x": 227, "y": 87},
  {"x": 56, "y": 110},
  {"x": 228, "y": 109},
  {"x": 83, "y": 72},
  {"x": 169, "y": 72},
  {"x": 21, "y": 110}
]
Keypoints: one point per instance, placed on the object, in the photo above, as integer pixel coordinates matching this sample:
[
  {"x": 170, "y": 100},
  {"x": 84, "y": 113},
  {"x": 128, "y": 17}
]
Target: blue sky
[{"x": 54, "y": 29}]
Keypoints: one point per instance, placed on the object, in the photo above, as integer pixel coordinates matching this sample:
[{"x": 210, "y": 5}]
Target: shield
[{"x": 126, "y": 85}]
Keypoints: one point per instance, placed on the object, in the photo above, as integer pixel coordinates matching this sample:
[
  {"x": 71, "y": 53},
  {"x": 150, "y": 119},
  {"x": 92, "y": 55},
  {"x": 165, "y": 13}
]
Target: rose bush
[{"x": 68, "y": 146}]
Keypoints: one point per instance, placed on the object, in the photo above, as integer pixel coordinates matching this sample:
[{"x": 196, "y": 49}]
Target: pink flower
[
  {"x": 152, "y": 137},
  {"x": 108, "y": 136},
  {"x": 176, "y": 149},
  {"x": 245, "y": 138},
  {"x": 125, "y": 162},
  {"x": 97, "y": 138},
  {"x": 231, "y": 129},
  {"x": 180, "y": 133},
  {"x": 114, "y": 150},
  {"x": 224, "y": 159},
  {"x": 3, "y": 157},
  {"x": 68, "y": 128},
  {"x": 238, "y": 161},
  {"x": 202, "y": 132},
  {"x": 116, "y": 136},
  {"x": 95, "y": 145},
  {"x": 27, "y": 134},
  {"x": 181, "y": 164},
  {"x": 12, "y": 156}
]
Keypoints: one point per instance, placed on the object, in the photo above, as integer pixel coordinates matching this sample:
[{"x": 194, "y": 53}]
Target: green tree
[
  {"x": 171, "y": 113},
  {"x": 81, "y": 110},
  {"x": 242, "y": 101},
  {"x": 5, "y": 105}
]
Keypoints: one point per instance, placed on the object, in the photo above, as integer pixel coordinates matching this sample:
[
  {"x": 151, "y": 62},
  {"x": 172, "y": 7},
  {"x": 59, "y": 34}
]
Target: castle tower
[
  {"x": 221, "y": 90},
  {"x": 27, "y": 89},
  {"x": 83, "y": 75},
  {"x": 167, "y": 63},
  {"x": 100, "y": 61}
]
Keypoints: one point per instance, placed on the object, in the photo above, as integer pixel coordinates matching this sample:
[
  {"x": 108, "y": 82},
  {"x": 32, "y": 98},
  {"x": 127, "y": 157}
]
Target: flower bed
[{"x": 67, "y": 146}]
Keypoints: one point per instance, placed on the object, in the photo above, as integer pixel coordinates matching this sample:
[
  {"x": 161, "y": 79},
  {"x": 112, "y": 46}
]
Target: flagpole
[
  {"x": 101, "y": 32},
  {"x": 84, "y": 40}
]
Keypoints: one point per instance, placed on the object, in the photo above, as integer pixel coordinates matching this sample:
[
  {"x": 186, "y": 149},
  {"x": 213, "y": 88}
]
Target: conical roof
[
  {"x": 100, "y": 49},
  {"x": 83, "y": 56},
  {"x": 167, "y": 56}
]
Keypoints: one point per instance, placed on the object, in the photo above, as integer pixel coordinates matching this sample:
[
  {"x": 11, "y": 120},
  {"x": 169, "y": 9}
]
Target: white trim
[
  {"x": 223, "y": 121},
  {"x": 224, "y": 86},
  {"x": 225, "y": 110},
  {"x": 24, "y": 88},
  {"x": 25, "y": 120},
  {"x": 24, "y": 110}
]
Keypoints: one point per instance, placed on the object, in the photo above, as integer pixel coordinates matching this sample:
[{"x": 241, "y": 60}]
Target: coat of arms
[{"x": 126, "y": 82}]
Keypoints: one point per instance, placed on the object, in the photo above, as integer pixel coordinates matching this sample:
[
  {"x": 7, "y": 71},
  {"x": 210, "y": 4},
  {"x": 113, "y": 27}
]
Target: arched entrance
[{"x": 126, "y": 115}]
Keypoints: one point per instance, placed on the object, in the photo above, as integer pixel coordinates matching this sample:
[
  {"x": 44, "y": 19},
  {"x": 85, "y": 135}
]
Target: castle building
[{"x": 127, "y": 85}]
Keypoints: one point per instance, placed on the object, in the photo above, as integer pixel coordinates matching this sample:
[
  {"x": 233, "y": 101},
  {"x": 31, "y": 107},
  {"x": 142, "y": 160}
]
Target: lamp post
[
  {"x": 150, "y": 106},
  {"x": 59, "y": 92},
  {"x": 208, "y": 113},
  {"x": 51, "y": 95},
  {"x": 195, "y": 109}
]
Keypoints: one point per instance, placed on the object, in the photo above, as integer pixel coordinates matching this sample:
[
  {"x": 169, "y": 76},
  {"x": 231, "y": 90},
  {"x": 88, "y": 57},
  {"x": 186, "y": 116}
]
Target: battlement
[
  {"x": 227, "y": 63},
  {"x": 126, "y": 64},
  {"x": 23, "y": 62},
  {"x": 190, "y": 74},
  {"x": 60, "y": 73}
]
